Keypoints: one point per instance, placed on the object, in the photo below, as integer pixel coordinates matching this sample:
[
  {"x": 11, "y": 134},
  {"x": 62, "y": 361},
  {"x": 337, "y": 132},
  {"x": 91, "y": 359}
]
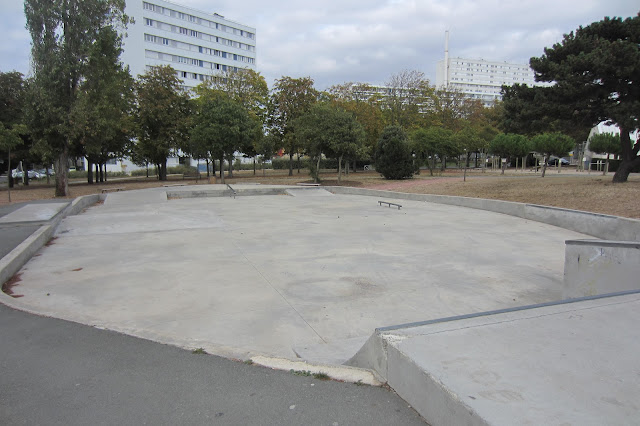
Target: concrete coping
[
  {"x": 604, "y": 243},
  {"x": 503, "y": 311}
]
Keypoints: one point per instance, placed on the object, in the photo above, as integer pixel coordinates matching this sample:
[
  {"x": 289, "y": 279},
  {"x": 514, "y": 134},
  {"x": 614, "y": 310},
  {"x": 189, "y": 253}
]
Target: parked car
[{"x": 554, "y": 162}]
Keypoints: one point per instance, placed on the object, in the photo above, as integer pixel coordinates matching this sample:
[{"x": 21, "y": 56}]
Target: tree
[
  {"x": 266, "y": 147},
  {"x": 222, "y": 125},
  {"x": 605, "y": 143},
  {"x": 62, "y": 34},
  {"x": 549, "y": 144},
  {"x": 595, "y": 70},
  {"x": 162, "y": 116},
  {"x": 393, "y": 154},
  {"x": 408, "y": 96},
  {"x": 290, "y": 99},
  {"x": 508, "y": 146},
  {"x": 12, "y": 93},
  {"x": 430, "y": 143},
  {"x": 331, "y": 130},
  {"x": 104, "y": 106},
  {"x": 247, "y": 87}
]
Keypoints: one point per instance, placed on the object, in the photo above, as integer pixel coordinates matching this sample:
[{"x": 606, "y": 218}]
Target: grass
[
  {"x": 307, "y": 373},
  {"x": 579, "y": 191},
  {"x": 199, "y": 351}
]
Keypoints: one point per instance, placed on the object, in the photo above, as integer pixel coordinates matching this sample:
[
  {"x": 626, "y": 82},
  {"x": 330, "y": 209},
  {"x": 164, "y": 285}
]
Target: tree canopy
[
  {"x": 62, "y": 35},
  {"x": 162, "y": 116},
  {"x": 290, "y": 98},
  {"x": 394, "y": 159},
  {"x": 596, "y": 75}
]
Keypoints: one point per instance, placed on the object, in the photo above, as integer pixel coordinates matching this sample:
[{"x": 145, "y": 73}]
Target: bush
[
  {"x": 393, "y": 155},
  {"x": 143, "y": 172},
  {"x": 181, "y": 169}
]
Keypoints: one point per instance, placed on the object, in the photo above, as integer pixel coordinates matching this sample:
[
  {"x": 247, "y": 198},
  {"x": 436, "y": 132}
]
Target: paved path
[{"x": 58, "y": 372}]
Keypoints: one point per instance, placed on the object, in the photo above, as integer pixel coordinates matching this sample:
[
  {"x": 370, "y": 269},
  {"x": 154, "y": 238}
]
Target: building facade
[
  {"x": 480, "y": 79},
  {"x": 196, "y": 44}
]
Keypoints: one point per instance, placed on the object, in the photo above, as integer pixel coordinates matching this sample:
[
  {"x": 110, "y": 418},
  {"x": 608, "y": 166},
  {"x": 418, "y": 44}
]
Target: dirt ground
[{"x": 568, "y": 189}]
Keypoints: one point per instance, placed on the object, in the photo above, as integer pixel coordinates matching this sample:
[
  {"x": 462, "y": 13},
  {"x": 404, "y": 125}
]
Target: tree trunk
[
  {"x": 318, "y": 169},
  {"x": 298, "y": 153},
  {"x": 504, "y": 166},
  {"x": 606, "y": 166},
  {"x": 254, "y": 166},
  {"x": 222, "y": 168},
  {"x": 339, "y": 168},
  {"x": 89, "y": 172},
  {"x": 61, "y": 166},
  {"x": 291, "y": 164},
  {"x": 444, "y": 163},
  {"x": 544, "y": 166},
  {"x": 162, "y": 170},
  {"x": 629, "y": 156}
]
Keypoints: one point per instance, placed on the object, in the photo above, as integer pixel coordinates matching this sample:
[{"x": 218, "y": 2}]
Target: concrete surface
[
  {"x": 55, "y": 372},
  {"x": 33, "y": 213},
  {"x": 293, "y": 277},
  {"x": 597, "y": 225},
  {"x": 593, "y": 267},
  {"x": 574, "y": 363}
]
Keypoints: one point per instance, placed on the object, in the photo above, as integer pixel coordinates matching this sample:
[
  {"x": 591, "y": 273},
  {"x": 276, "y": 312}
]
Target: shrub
[{"x": 393, "y": 155}]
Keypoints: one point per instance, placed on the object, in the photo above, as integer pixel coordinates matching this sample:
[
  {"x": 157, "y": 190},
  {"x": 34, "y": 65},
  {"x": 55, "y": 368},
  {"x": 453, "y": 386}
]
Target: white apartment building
[
  {"x": 480, "y": 79},
  {"x": 195, "y": 43}
]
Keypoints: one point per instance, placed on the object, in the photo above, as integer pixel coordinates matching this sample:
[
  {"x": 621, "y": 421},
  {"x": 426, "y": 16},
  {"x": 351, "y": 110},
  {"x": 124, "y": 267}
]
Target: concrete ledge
[
  {"x": 11, "y": 263},
  {"x": 594, "y": 267},
  {"x": 178, "y": 194},
  {"x": 598, "y": 225}
]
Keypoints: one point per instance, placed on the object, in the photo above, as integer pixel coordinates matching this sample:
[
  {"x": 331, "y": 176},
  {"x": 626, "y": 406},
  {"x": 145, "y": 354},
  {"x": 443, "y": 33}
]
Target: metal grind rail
[{"x": 233, "y": 192}]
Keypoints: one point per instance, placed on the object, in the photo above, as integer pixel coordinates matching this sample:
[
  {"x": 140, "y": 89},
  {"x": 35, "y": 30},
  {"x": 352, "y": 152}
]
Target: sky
[{"x": 367, "y": 41}]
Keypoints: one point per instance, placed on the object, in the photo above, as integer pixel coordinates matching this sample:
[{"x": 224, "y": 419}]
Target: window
[
  {"x": 193, "y": 33},
  {"x": 183, "y": 31},
  {"x": 148, "y": 22},
  {"x": 183, "y": 74},
  {"x": 165, "y": 41}
]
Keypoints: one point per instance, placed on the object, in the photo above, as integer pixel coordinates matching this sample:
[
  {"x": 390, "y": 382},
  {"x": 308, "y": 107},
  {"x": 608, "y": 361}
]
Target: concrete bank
[
  {"x": 594, "y": 267},
  {"x": 598, "y": 225},
  {"x": 11, "y": 263},
  {"x": 564, "y": 363}
]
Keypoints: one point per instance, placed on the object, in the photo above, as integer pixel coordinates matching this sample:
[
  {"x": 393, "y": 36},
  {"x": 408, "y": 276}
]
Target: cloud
[{"x": 357, "y": 40}]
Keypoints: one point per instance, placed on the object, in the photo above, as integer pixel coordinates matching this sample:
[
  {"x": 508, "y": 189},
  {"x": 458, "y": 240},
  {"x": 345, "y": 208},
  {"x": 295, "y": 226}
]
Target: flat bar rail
[
  {"x": 233, "y": 192},
  {"x": 389, "y": 204}
]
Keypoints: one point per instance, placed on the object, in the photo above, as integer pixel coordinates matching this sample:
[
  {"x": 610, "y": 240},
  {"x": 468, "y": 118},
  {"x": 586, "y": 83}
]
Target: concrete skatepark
[{"x": 307, "y": 274}]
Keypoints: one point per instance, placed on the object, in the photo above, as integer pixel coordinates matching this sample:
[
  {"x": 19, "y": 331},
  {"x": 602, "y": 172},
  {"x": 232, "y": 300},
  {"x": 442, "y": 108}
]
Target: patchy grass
[
  {"x": 568, "y": 189},
  {"x": 199, "y": 351}
]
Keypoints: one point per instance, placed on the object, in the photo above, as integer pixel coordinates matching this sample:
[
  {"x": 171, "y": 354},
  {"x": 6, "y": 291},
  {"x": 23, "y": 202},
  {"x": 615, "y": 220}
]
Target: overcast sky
[{"x": 368, "y": 40}]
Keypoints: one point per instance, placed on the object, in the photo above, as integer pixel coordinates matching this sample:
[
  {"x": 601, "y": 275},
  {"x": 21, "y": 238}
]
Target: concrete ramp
[
  {"x": 564, "y": 363},
  {"x": 33, "y": 213},
  {"x": 309, "y": 192},
  {"x": 139, "y": 197}
]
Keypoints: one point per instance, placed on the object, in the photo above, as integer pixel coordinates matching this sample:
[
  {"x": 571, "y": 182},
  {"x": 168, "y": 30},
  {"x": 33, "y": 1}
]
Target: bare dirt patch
[{"x": 572, "y": 190}]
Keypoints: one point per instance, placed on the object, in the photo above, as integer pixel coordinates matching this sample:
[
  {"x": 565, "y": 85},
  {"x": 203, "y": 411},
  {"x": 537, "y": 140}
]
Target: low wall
[
  {"x": 594, "y": 267},
  {"x": 11, "y": 263},
  {"x": 597, "y": 225}
]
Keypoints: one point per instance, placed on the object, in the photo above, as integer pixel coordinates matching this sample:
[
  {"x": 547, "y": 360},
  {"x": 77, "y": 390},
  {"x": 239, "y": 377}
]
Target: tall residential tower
[
  {"x": 195, "y": 43},
  {"x": 480, "y": 79}
]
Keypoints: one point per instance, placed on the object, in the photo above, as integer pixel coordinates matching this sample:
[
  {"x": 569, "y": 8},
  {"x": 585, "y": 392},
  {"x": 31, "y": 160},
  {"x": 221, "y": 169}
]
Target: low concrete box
[{"x": 594, "y": 267}]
